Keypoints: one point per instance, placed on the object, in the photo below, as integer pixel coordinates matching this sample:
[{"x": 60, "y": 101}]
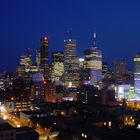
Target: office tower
[
  {"x": 105, "y": 71},
  {"x": 50, "y": 92},
  {"x": 107, "y": 76},
  {"x": 57, "y": 57},
  {"x": 71, "y": 65},
  {"x": 89, "y": 94},
  {"x": 81, "y": 69},
  {"x": 119, "y": 69},
  {"x": 25, "y": 63},
  {"x": 81, "y": 62},
  {"x": 34, "y": 69},
  {"x": 137, "y": 74},
  {"x": 37, "y": 57},
  {"x": 57, "y": 67},
  {"x": 93, "y": 65},
  {"x": 44, "y": 56},
  {"x": 38, "y": 87}
]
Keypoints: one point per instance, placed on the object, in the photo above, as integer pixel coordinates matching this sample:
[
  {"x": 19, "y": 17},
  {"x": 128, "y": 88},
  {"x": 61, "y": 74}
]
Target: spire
[
  {"x": 94, "y": 39},
  {"x": 29, "y": 51},
  {"x": 69, "y": 34}
]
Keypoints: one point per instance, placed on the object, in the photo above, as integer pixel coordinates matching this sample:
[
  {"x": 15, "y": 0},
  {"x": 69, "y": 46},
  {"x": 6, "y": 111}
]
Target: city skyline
[
  {"x": 69, "y": 70},
  {"x": 24, "y": 23}
]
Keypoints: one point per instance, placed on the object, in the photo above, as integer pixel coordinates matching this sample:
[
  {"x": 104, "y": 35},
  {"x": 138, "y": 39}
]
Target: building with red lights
[{"x": 44, "y": 57}]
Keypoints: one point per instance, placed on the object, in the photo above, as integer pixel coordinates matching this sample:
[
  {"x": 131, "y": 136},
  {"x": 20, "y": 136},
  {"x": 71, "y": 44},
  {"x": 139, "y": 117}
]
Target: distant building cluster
[
  {"x": 66, "y": 70},
  {"x": 67, "y": 76},
  {"x": 66, "y": 66},
  {"x": 71, "y": 97}
]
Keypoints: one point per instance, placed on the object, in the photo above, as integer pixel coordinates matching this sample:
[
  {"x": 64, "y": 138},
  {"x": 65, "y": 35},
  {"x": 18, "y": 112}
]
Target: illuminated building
[
  {"x": 93, "y": 65},
  {"x": 25, "y": 115},
  {"x": 105, "y": 71},
  {"x": 2, "y": 86},
  {"x": 107, "y": 75},
  {"x": 137, "y": 74},
  {"x": 57, "y": 67},
  {"x": 127, "y": 92},
  {"x": 33, "y": 69},
  {"x": 17, "y": 105},
  {"x": 49, "y": 72},
  {"x": 119, "y": 69},
  {"x": 25, "y": 63},
  {"x": 57, "y": 57},
  {"x": 38, "y": 87},
  {"x": 122, "y": 91},
  {"x": 22, "y": 105},
  {"x": 44, "y": 57},
  {"x": 81, "y": 69},
  {"x": 20, "y": 70},
  {"x": 71, "y": 64},
  {"x": 38, "y": 57},
  {"x": 81, "y": 62},
  {"x": 51, "y": 92},
  {"x": 9, "y": 79},
  {"x": 70, "y": 97}
]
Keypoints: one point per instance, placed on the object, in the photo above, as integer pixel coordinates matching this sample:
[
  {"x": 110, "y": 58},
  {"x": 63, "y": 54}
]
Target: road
[{"x": 16, "y": 122}]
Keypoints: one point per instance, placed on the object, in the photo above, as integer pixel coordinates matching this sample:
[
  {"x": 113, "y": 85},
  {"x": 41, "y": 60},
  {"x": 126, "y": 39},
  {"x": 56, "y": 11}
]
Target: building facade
[
  {"x": 106, "y": 71},
  {"x": 93, "y": 65},
  {"x": 37, "y": 57},
  {"x": 44, "y": 56},
  {"x": 71, "y": 64},
  {"x": 7, "y": 132},
  {"x": 119, "y": 69},
  {"x": 38, "y": 91},
  {"x": 25, "y": 63},
  {"x": 57, "y": 67},
  {"x": 137, "y": 74}
]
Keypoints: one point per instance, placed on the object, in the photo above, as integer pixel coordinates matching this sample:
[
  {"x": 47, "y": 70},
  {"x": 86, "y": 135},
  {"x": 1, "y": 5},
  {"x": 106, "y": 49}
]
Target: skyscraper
[
  {"x": 57, "y": 57},
  {"x": 26, "y": 60},
  {"x": 119, "y": 69},
  {"x": 71, "y": 64},
  {"x": 57, "y": 67},
  {"x": 81, "y": 69},
  {"x": 137, "y": 74},
  {"x": 93, "y": 65},
  {"x": 37, "y": 57},
  {"x": 44, "y": 56},
  {"x": 38, "y": 87},
  {"x": 25, "y": 63},
  {"x": 105, "y": 71}
]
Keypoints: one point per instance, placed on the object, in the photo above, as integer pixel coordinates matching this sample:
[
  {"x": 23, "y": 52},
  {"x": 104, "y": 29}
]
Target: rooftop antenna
[
  {"x": 94, "y": 40},
  {"x": 69, "y": 34}
]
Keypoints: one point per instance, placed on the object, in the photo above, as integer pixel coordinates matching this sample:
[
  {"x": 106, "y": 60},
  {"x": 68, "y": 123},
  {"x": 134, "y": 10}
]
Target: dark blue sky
[{"x": 24, "y": 22}]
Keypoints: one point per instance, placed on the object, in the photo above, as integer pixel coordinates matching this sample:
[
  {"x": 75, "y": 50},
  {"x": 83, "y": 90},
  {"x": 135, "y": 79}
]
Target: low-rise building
[{"x": 7, "y": 132}]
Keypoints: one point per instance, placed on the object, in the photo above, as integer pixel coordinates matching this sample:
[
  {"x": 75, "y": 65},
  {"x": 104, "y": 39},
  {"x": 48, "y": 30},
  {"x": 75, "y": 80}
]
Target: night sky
[{"x": 24, "y": 22}]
